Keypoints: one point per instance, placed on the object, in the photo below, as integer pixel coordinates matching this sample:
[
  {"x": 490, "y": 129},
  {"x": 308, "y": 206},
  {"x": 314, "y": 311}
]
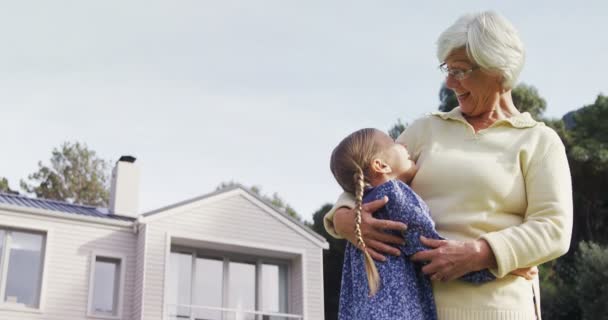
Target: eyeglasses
[{"x": 457, "y": 74}]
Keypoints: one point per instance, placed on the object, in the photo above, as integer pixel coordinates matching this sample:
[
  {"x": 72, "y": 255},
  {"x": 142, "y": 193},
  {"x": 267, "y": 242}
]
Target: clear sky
[{"x": 257, "y": 92}]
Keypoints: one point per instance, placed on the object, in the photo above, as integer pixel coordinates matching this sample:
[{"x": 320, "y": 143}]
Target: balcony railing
[{"x": 193, "y": 312}]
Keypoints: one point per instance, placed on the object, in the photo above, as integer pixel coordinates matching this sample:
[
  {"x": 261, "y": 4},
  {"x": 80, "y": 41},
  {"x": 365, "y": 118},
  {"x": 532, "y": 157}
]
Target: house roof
[
  {"x": 90, "y": 211},
  {"x": 59, "y": 206},
  {"x": 240, "y": 187}
]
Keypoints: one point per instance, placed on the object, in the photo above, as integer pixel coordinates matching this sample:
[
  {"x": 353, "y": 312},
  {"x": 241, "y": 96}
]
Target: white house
[{"x": 224, "y": 255}]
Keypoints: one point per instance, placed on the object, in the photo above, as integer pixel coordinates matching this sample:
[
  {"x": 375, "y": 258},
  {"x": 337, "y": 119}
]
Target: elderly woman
[{"x": 497, "y": 182}]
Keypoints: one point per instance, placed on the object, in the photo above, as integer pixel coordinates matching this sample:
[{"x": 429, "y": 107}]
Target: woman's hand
[
  {"x": 377, "y": 241},
  {"x": 528, "y": 273},
  {"x": 451, "y": 259}
]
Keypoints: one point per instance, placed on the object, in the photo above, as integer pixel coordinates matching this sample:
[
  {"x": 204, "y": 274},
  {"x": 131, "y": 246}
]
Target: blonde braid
[{"x": 373, "y": 278}]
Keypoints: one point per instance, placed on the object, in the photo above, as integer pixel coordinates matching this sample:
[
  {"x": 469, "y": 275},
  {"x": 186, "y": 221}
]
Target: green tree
[
  {"x": 332, "y": 264},
  {"x": 584, "y": 133},
  {"x": 75, "y": 175},
  {"x": 559, "y": 126},
  {"x": 590, "y": 135},
  {"x": 587, "y": 146},
  {"x": 274, "y": 200},
  {"x": 527, "y": 99},
  {"x": 447, "y": 98},
  {"x": 558, "y": 297},
  {"x": 591, "y": 290},
  {"x": 397, "y": 129},
  {"x": 4, "y": 186}
]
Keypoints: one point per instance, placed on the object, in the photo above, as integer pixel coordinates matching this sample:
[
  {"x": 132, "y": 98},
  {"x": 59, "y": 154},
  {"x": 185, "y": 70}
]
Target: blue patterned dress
[{"x": 405, "y": 293}]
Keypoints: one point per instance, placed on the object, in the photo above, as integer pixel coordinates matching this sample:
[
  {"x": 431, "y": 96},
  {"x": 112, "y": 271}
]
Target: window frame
[
  {"x": 226, "y": 258},
  {"x": 46, "y": 236},
  {"x": 121, "y": 284}
]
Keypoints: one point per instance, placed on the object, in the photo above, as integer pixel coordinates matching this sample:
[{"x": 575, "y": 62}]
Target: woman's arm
[
  {"x": 452, "y": 259},
  {"x": 345, "y": 201},
  {"x": 340, "y": 223},
  {"x": 544, "y": 234},
  {"x": 472, "y": 259},
  {"x": 547, "y": 228}
]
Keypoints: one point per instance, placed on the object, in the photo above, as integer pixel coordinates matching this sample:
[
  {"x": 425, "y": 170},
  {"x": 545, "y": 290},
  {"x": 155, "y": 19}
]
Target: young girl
[{"x": 370, "y": 165}]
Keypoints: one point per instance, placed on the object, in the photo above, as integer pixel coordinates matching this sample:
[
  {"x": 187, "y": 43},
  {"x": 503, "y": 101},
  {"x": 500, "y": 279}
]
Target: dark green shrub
[{"x": 592, "y": 281}]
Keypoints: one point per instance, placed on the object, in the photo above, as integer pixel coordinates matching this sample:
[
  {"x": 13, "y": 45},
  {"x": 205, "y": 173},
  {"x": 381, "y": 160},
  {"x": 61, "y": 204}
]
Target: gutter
[{"x": 67, "y": 216}]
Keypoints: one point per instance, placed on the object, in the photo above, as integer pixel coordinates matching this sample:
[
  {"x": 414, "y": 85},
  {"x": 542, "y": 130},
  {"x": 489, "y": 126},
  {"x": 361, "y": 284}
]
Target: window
[
  {"x": 208, "y": 287},
  {"x": 241, "y": 287},
  {"x": 274, "y": 288},
  {"x": 107, "y": 273},
  {"x": 180, "y": 282},
  {"x": 225, "y": 287},
  {"x": 21, "y": 264}
]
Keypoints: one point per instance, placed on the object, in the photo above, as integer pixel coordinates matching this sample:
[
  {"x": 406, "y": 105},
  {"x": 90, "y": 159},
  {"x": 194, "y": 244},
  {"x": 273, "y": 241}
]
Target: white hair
[{"x": 491, "y": 42}]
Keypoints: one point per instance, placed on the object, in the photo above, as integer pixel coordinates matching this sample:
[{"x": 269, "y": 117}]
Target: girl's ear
[{"x": 380, "y": 167}]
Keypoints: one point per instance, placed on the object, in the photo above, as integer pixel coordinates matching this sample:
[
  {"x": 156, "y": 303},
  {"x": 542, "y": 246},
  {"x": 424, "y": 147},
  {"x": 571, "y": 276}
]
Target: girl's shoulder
[{"x": 393, "y": 189}]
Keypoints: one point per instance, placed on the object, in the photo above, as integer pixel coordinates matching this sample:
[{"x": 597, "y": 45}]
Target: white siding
[
  {"x": 68, "y": 253},
  {"x": 296, "y": 289},
  {"x": 155, "y": 274},
  {"x": 139, "y": 273},
  {"x": 235, "y": 218}
]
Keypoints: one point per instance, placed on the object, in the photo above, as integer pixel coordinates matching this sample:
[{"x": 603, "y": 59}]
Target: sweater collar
[{"x": 520, "y": 121}]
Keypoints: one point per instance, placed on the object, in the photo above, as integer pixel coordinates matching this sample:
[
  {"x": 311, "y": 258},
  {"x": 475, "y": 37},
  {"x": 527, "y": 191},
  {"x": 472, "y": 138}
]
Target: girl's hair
[{"x": 349, "y": 164}]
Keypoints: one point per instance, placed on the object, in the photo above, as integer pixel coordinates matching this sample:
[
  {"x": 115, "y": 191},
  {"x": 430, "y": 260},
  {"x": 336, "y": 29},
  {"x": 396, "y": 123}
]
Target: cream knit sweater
[{"x": 508, "y": 184}]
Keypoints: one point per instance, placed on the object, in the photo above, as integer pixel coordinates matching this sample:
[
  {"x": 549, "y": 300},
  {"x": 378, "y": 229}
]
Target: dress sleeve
[
  {"x": 410, "y": 210},
  {"x": 547, "y": 227},
  {"x": 478, "y": 277}
]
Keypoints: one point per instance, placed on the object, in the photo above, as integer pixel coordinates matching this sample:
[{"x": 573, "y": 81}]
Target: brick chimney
[{"x": 124, "y": 192}]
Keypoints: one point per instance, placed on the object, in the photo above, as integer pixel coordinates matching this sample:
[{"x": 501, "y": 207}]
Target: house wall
[
  {"x": 138, "y": 290},
  {"x": 68, "y": 249},
  {"x": 236, "y": 218}
]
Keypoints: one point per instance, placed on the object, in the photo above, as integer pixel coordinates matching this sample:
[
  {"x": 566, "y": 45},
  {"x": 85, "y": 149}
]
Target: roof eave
[
  {"x": 66, "y": 216},
  {"x": 313, "y": 236}
]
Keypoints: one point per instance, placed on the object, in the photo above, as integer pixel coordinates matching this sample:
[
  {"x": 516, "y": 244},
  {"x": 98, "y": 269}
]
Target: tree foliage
[
  {"x": 332, "y": 264},
  {"x": 587, "y": 147},
  {"x": 590, "y": 135},
  {"x": 275, "y": 200},
  {"x": 397, "y": 129},
  {"x": 557, "y": 294},
  {"x": 591, "y": 290},
  {"x": 75, "y": 174},
  {"x": 571, "y": 289},
  {"x": 5, "y": 187},
  {"x": 447, "y": 98},
  {"x": 527, "y": 99}
]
